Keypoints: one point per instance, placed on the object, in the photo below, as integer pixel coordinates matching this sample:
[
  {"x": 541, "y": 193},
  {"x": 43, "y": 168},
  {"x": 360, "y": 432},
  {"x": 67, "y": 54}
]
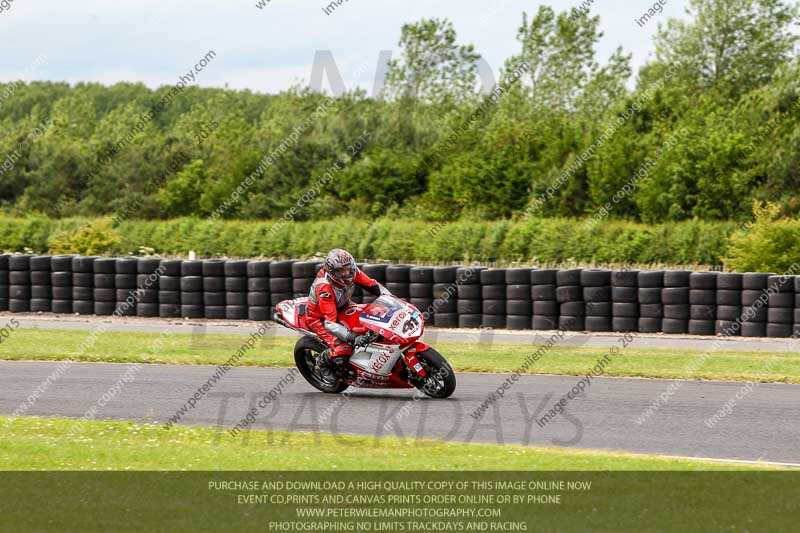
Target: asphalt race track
[{"x": 763, "y": 424}]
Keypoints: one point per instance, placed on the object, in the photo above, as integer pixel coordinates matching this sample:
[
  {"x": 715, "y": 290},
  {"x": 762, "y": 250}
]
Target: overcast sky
[{"x": 269, "y": 49}]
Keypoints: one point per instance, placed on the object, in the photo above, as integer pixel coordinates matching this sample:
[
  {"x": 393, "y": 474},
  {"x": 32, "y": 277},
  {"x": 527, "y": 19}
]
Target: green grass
[
  {"x": 57, "y": 444},
  {"x": 212, "y": 349},
  {"x": 141, "y": 490}
]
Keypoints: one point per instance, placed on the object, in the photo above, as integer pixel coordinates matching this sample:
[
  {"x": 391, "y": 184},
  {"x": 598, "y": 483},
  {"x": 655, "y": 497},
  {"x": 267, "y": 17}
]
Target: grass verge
[
  {"x": 213, "y": 349},
  {"x": 59, "y": 444}
]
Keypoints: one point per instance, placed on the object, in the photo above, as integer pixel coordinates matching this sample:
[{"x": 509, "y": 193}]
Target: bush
[
  {"x": 97, "y": 238},
  {"x": 769, "y": 244}
]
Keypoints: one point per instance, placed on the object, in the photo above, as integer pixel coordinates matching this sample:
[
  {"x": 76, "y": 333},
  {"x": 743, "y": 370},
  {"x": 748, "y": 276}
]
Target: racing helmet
[{"x": 341, "y": 267}]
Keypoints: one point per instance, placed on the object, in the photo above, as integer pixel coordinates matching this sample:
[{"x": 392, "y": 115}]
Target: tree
[
  {"x": 181, "y": 195},
  {"x": 732, "y": 46},
  {"x": 432, "y": 67},
  {"x": 560, "y": 50}
]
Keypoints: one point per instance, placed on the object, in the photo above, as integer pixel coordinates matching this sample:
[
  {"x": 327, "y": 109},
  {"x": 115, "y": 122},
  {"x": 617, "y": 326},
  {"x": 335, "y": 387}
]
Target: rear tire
[
  {"x": 306, "y": 352},
  {"x": 436, "y": 365}
]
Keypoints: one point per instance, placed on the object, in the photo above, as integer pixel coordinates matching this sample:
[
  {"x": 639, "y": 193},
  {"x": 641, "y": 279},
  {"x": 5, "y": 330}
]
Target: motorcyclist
[{"x": 330, "y": 293}]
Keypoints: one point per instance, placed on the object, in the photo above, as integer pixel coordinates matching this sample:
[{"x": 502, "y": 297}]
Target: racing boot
[{"x": 325, "y": 367}]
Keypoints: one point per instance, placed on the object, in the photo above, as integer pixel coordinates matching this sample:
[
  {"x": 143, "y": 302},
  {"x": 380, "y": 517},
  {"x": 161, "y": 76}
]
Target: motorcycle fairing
[
  {"x": 294, "y": 312},
  {"x": 394, "y": 319}
]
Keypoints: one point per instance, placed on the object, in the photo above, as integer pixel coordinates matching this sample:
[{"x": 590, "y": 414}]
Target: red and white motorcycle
[{"x": 394, "y": 358}]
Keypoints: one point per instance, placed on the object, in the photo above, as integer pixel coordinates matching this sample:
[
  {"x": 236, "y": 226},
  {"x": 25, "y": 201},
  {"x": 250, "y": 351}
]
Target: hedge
[{"x": 536, "y": 241}]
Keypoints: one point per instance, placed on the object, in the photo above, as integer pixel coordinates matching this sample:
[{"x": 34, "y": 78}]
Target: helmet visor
[{"x": 344, "y": 273}]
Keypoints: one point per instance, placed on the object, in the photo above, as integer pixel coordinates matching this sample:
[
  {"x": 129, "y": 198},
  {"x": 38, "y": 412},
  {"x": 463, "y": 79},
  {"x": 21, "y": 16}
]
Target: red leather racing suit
[{"x": 325, "y": 300}]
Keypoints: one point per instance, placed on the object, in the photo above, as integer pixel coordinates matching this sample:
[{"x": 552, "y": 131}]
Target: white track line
[{"x": 743, "y": 461}]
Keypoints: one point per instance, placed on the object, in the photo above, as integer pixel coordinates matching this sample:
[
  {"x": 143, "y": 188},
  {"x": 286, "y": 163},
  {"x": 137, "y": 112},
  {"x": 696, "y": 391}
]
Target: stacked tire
[
  {"x": 147, "y": 286},
  {"x": 83, "y": 284},
  {"x": 545, "y": 305},
  {"x": 4, "y": 282},
  {"x": 470, "y": 300},
  {"x": 702, "y": 303},
  {"x": 19, "y": 283},
  {"x": 729, "y": 305},
  {"x": 104, "y": 292},
  {"x": 169, "y": 288},
  {"x": 780, "y": 313},
  {"x": 61, "y": 283},
  {"x": 519, "y": 305},
  {"x": 378, "y": 273},
  {"x": 193, "y": 287},
  {"x": 625, "y": 300},
  {"x": 398, "y": 281},
  {"x": 214, "y": 296},
  {"x": 445, "y": 297},
  {"x": 569, "y": 294},
  {"x": 280, "y": 281},
  {"x": 420, "y": 290},
  {"x": 650, "y": 284},
  {"x": 125, "y": 285},
  {"x": 236, "y": 290},
  {"x": 796, "y": 327},
  {"x": 303, "y": 275},
  {"x": 41, "y": 288},
  {"x": 258, "y": 300},
  {"x": 754, "y": 304},
  {"x": 598, "y": 304},
  {"x": 493, "y": 296},
  {"x": 358, "y": 293},
  {"x": 675, "y": 299}
]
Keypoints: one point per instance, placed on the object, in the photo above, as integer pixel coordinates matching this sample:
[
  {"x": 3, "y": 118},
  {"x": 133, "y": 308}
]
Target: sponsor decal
[
  {"x": 367, "y": 376},
  {"x": 411, "y": 324},
  {"x": 325, "y": 294},
  {"x": 396, "y": 322},
  {"x": 351, "y": 311},
  {"x": 378, "y": 363}
]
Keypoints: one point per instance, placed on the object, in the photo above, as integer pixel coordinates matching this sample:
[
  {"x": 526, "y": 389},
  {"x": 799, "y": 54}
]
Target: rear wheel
[
  {"x": 440, "y": 381},
  {"x": 306, "y": 352}
]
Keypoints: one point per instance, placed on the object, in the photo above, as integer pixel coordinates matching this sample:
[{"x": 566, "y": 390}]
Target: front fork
[{"x": 410, "y": 357}]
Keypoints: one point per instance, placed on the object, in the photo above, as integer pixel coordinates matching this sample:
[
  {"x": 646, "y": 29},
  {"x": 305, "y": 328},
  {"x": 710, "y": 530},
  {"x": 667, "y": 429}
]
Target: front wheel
[
  {"x": 306, "y": 352},
  {"x": 440, "y": 381}
]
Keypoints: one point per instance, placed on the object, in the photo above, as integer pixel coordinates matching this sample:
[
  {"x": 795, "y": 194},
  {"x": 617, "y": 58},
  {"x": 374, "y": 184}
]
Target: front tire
[
  {"x": 306, "y": 352},
  {"x": 441, "y": 380}
]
